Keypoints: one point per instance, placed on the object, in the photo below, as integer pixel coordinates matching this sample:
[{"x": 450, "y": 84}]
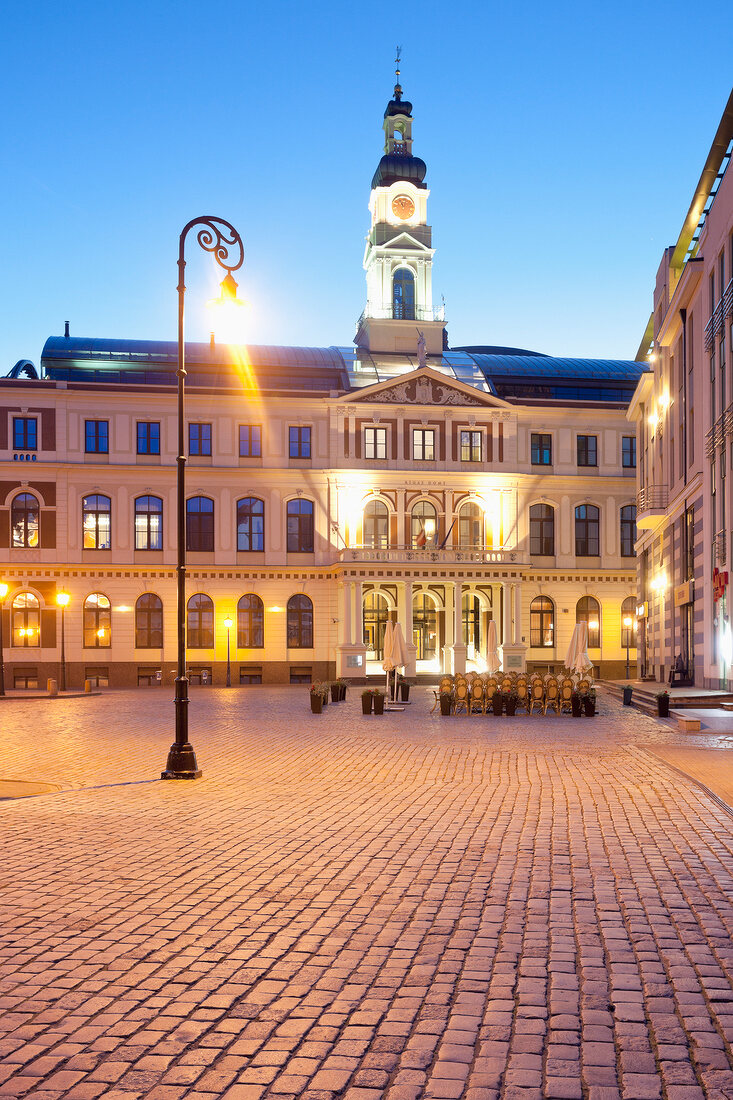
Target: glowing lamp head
[
  {"x": 627, "y": 621},
  {"x": 228, "y": 622},
  {"x": 100, "y": 632},
  {"x": 62, "y": 599},
  {"x": 3, "y": 590},
  {"x": 229, "y": 312}
]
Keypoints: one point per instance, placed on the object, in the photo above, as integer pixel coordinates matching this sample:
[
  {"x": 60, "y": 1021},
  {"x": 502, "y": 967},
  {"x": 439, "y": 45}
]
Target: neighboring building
[
  {"x": 684, "y": 416},
  {"x": 328, "y": 488}
]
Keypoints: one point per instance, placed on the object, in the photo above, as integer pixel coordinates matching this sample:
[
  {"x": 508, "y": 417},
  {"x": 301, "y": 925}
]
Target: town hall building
[{"x": 328, "y": 490}]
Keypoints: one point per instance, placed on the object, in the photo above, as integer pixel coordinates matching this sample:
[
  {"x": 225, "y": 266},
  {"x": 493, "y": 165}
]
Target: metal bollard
[{"x": 52, "y": 687}]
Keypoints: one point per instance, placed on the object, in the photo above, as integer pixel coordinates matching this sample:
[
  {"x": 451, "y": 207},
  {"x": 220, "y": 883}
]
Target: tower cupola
[{"x": 399, "y": 254}]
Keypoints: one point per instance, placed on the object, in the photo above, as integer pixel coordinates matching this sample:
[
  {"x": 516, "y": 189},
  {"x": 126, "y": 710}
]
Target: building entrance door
[
  {"x": 376, "y": 613},
  {"x": 424, "y": 628}
]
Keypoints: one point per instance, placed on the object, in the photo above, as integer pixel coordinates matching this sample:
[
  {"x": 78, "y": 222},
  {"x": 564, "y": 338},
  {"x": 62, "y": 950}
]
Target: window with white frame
[
  {"x": 423, "y": 444},
  {"x": 375, "y": 443}
]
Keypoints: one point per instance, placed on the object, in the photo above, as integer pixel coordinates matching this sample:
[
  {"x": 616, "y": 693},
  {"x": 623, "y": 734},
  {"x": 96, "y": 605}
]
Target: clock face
[{"x": 403, "y": 207}]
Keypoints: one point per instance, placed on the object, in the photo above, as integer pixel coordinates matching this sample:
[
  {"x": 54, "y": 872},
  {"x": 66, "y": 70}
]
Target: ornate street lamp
[
  {"x": 3, "y": 594},
  {"x": 219, "y": 238},
  {"x": 627, "y": 626},
  {"x": 62, "y": 599},
  {"x": 228, "y": 624}
]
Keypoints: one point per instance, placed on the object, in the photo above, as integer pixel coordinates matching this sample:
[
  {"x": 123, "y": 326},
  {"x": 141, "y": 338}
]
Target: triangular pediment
[
  {"x": 404, "y": 242},
  {"x": 425, "y": 386}
]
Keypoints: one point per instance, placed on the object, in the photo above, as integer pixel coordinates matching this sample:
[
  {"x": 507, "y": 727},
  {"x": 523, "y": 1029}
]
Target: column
[
  {"x": 517, "y": 614},
  {"x": 346, "y": 631},
  {"x": 448, "y": 640},
  {"x": 459, "y": 649},
  {"x": 506, "y": 634},
  {"x": 406, "y": 619},
  {"x": 358, "y": 627}
]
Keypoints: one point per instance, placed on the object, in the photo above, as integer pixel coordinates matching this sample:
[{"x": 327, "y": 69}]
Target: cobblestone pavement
[{"x": 372, "y": 908}]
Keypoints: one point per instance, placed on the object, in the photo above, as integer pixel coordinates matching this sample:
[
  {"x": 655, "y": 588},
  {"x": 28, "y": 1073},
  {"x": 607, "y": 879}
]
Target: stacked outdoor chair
[
  {"x": 536, "y": 695},
  {"x": 522, "y": 691},
  {"x": 478, "y": 697},
  {"x": 461, "y": 698},
  {"x": 567, "y": 687}
]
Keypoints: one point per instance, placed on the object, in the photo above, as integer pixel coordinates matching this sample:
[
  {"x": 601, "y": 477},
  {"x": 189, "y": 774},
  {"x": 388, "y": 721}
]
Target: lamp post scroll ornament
[{"x": 220, "y": 238}]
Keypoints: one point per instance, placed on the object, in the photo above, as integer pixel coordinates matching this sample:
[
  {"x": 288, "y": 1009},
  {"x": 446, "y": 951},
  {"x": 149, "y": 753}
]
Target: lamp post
[
  {"x": 3, "y": 594},
  {"x": 627, "y": 625},
  {"x": 228, "y": 624},
  {"x": 62, "y": 599},
  {"x": 218, "y": 237}
]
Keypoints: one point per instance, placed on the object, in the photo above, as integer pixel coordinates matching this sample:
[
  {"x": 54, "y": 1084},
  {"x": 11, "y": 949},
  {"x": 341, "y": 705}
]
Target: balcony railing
[
  {"x": 388, "y": 313},
  {"x": 652, "y": 498},
  {"x": 426, "y": 555},
  {"x": 721, "y": 430},
  {"x": 719, "y": 548}
]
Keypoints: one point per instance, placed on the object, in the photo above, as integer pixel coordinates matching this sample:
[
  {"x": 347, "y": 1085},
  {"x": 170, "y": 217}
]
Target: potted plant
[
  {"x": 576, "y": 704},
  {"x": 446, "y": 703},
  {"x": 497, "y": 703},
  {"x": 378, "y": 701},
  {"x": 367, "y": 698},
  {"x": 404, "y": 689},
  {"x": 589, "y": 703},
  {"x": 317, "y": 698},
  {"x": 663, "y": 704},
  {"x": 510, "y": 702},
  {"x": 342, "y": 688}
]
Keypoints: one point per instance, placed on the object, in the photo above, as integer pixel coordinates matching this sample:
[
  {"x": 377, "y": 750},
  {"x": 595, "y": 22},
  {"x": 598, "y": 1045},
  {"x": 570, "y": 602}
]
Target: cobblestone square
[{"x": 393, "y": 907}]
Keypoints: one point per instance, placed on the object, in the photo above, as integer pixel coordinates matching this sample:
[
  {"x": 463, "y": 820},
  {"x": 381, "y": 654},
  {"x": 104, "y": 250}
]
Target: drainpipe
[{"x": 683, "y": 317}]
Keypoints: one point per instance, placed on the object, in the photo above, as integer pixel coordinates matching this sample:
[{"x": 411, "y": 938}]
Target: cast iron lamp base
[{"x": 181, "y": 763}]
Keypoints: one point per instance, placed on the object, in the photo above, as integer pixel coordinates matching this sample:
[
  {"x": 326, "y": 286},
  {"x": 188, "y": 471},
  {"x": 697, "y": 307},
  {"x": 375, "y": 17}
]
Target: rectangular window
[
  {"x": 375, "y": 443},
  {"x": 587, "y": 450},
  {"x": 541, "y": 449},
  {"x": 199, "y": 439},
  {"x": 300, "y": 442},
  {"x": 628, "y": 452},
  {"x": 423, "y": 444},
  {"x": 148, "y": 438},
  {"x": 25, "y": 433},
  {"x": 470, "y": 446},
  {"x": 96, "y": 437},
  {"x": 250, "y": 441}
]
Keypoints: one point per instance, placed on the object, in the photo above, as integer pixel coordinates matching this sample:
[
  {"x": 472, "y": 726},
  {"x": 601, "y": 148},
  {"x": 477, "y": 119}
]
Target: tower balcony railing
[
  {"x": 719, "y": 548},
  {"x": 721, "y": 431},
  {"x": 431, "y": 555},
  {"x": 402, "y": 313}
]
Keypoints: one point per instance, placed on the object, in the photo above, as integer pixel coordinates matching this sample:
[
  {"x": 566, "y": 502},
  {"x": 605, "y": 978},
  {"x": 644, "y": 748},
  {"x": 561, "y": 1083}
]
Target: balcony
[
  {"x": 430, "y": 555},
  {"x": 719, "y": 548},
  {"x": 402, "y": 313},
  {"x": 651, "y": 505},
  {"x": 721, "y": 430}
]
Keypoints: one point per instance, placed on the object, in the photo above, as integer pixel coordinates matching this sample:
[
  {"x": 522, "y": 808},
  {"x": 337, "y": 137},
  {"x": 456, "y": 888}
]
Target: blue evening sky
[{"x": 563, "y": 142}]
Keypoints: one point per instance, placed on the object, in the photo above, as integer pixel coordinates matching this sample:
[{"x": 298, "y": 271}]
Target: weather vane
[{"x": 397, "y": 60}]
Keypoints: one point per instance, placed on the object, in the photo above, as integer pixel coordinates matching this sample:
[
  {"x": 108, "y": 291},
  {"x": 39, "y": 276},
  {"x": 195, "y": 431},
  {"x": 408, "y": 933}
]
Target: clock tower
[{"x": 398, "y": 258}]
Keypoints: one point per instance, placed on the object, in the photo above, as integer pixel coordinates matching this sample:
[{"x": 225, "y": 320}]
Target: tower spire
[{"x": 397, "y": 87}]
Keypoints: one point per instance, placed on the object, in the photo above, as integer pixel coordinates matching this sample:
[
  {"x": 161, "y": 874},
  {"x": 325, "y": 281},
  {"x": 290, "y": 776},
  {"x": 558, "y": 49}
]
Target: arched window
[
  {"x": 542, "y": 619},
  {"x": 376, "y": 525},
  {"x": 588, "y": 610},
  {"x": 250, "y": 525},
  {"x": 403, "y": 295},
  {"x": 200, "y": 622},
  {"x": 423, "y": 524},
  {"x": 26, "y": 615},
  {"x": 200, "y": 525},
  {"x": 587, "y": 531},
  {"x": 250, "y": 622},
  {"x": 97, "y": 622},
  {"x": 628, "y": 530},
  {"x": 148, "y": 523},
  {"x": 24, "y": 521},
  {"x": 149, "y": 621},
  {"x": 300, "y": 526},
  {"x": 471, "y": 527},
  {"x": 628, "y": 633},
  {"x": 300, "y": 623},
  {"x": 542, "y": 530},
  {"x": 96, "y": 522}
]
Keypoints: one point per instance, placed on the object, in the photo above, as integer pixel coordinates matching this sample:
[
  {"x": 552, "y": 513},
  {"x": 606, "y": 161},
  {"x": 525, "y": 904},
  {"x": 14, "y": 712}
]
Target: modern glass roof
[{"x": 507, "y": 372}]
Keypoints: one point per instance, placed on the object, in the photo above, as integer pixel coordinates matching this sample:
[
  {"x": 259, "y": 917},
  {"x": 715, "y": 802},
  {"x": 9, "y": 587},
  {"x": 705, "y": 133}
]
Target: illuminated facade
[
  {"x": 328, "y": 489},
  {"x": 683, "y": 411}
]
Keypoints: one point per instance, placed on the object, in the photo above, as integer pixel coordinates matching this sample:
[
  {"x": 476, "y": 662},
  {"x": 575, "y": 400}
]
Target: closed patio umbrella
[
  {"x": 577, "y": 659},
  {"x": 395, "y": 652},
  {"x": 492, "y": 655}
]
